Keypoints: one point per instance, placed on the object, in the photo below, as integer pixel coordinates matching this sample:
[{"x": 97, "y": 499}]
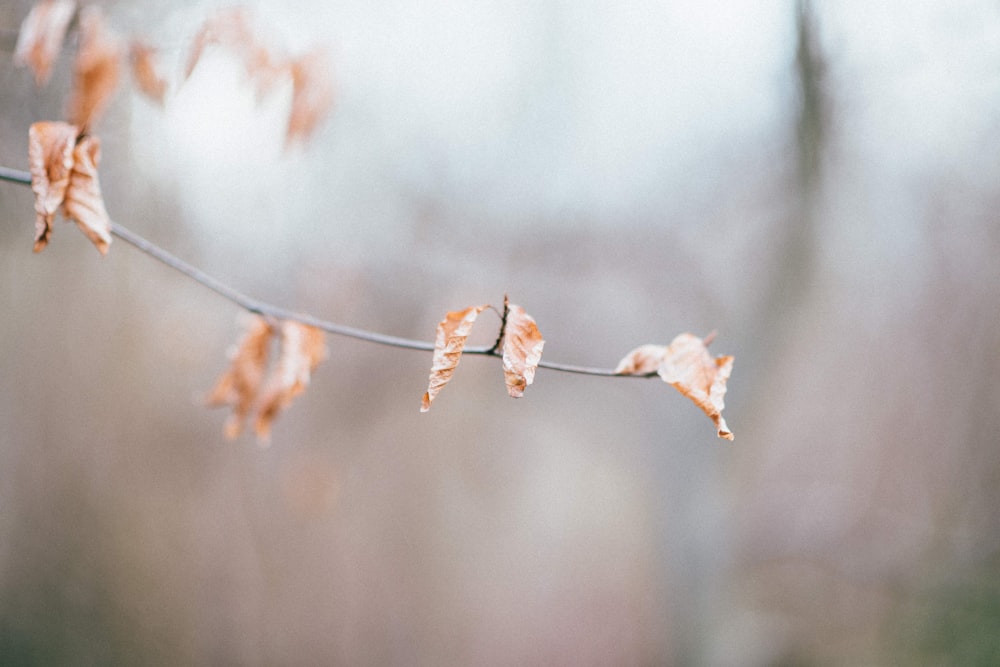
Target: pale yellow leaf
[
  {"x": 41, "y": 37},
  {"x": 452, "y": 333},
  {"x": 521, "y": 348},
  {"x": 50, "y": 159}
]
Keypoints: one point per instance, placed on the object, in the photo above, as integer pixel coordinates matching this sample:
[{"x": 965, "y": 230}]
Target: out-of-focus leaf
[
  {"x": 50, "y": 157},
  {"x": 302, "y": 349},
  {"x": 83, "y": 203},
  {"x": 97, "y": 70},
  {"x": 312, "y": 94},
  {"x": 452, "y": 333},
  {"x": 521, "y": 348},
  {"x": 146, "y": 71},
  {"x": 41, "y": 37},
  {"x": 643, "y": 360},
  {"x": 232, "y": 30},
  {"x": 229, "y": 28},
  {"x": 239, "y": 385}
]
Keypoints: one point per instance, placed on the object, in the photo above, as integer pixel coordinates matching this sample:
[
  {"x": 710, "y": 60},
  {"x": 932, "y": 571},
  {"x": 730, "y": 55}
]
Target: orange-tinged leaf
[
  {"x": 452, "y": 333},
  {"x": 146, "y": 71},
  {"x": 232, "y": 30},
  {"x": 50, "y": 156},
  {"x": 302, "y": 349},
  {"x": 239, "y": 385},
  {"x": 229, "y": 28},
  {"x": 521, "y": 348},
  {"x": 643, "y": 360},
  {"x": 83, "y": 203},
  {"x": 97, "y": 70},
  {"x": 312, "y": 94},
  {"x": 688, "y": 366},
  {"x": 41, "y": 37}
]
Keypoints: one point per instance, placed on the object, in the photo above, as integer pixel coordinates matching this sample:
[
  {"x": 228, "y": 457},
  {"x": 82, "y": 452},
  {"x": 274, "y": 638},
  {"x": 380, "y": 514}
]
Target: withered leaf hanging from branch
[
  {"x": 64, "y": 176},
  {"x": 452, "y": 332},
  {"x": 84, "y": 204},
  {"x": 312, "y": 94},
  {"x": 231, "y": 30},
  {"x": 687, "y": 365},
  {"x": 41, "y": 37},
  {"x": 239, "y": 385},
  {"x": 146, "y": 71},
  {"x": 302, "y": 349},
  {"x": 521, "y": 348},
  {"x": 96, "y": 71},
  {"x": 643, "y": 360},
  {"x": 50, "y": 157}
]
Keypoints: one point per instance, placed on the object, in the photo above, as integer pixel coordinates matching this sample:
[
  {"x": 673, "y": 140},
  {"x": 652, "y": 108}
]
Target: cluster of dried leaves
[
  {"x": 252, "y": 385},
  {"x": 64, "y": 156},
  {"x": 98, "y": 63},
  {"x": 685, "y": 363},
  {"x": 64, "y": 177},
  {"x": 520, "y": 345}
]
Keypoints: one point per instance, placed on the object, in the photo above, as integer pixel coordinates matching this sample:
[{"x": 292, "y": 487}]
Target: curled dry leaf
[
  {"x": 146, "y": 71},
  {"x": 97, "y": 69},
  {"x": 687, "y": 365},
  {"x": 41, "y": 37},
  {"x": 312, "y": 94},
  {"x": 521, "y": 348},
  {"x": 643, "y": 360},
  {"x": 83, "y": 203},
  {"x": 239, "y": 385},
  {"x": 452, "y": 333},
  {"x": 232, "y": 30},
  {"x": 302, "y": 349},
  {"x": 50, "y": 156},
  {"x": 229, "y": 28}
]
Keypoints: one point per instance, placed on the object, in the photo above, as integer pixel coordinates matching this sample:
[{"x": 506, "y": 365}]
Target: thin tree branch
[{"x": 277, "y": 312}]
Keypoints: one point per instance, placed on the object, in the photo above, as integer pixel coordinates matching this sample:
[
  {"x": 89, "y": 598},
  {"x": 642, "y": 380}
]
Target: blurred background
[{"x": 820, "y": 182}]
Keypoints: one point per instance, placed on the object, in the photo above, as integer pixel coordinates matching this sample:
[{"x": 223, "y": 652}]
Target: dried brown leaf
[
  {"x": 688, "y": 366},
  {"x": 41, "y": 37},
  {"x": 146, "y": 71},
  {"x": 239, "y": 385},
  {"x": 643, "y": 360},
  {"x": 452, "y": 333},
  {"x": 312, "y": 94},
  {"x": 50, "y": 156},
  {"x": 232, "y": 30},
  {"x": 229, "y": 28},
  {"x": 521, "y": 347},
  {"x": 97, "y": 70},
  {"x": 302, "y": 349},
  {"x": 83, "y": 203}
]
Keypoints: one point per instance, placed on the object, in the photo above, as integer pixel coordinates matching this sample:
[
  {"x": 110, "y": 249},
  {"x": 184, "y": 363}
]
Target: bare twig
[{"x": 266, "y": 309}]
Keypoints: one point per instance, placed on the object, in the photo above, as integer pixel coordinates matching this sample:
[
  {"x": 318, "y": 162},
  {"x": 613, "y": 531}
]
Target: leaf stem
[{"x": 261, "y": 308}]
